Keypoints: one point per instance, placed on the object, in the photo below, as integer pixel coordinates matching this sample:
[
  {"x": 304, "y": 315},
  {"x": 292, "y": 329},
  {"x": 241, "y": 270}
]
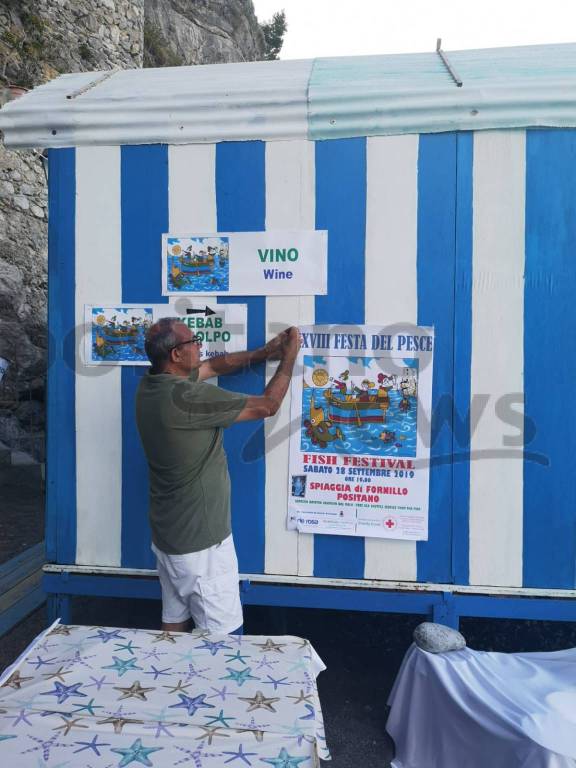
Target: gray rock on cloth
[{"x": 436, "y": 638}]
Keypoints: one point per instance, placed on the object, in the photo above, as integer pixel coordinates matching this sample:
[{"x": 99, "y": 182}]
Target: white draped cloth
[{"x": 474, "y": 709}]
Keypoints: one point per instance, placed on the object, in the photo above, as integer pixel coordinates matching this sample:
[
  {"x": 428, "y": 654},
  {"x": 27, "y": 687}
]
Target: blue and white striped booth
[{"x": 446, "y": 206}]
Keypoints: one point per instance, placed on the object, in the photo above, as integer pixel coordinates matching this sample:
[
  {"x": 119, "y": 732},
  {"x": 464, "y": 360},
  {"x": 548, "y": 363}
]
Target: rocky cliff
[
  {"x": 201, "y": 32},
  {"x": 38, "y": 40}
]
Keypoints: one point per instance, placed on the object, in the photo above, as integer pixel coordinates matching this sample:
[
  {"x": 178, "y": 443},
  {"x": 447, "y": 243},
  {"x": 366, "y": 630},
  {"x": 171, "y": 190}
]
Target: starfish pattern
[
  {"x": 309, "y": 683},
  {"x": 126, "y": 647},
  {"x": 213, "y": 646},
  {"x": 97, "y": 682},
  {"x": 106, "y": 636},
  {"x": 220, "y": 693},
  {"x": 302, "y": 697},
  {"x": 258, "y": 729},
  {"x": 274, "y": 682},
  {"x": 239, "y": 676},
  {"x": 158, "y": 672},
  {"x": 270, "y": 645},
  {"x": 153, "y": 654},
  {"x": 236, "y": 657},
  {"x": 297, "y": 732},
  {"x": 192, "y": 704},
  {"x": 60, "y": 629},
  {"x": 193, "y": 672},
  {"x": 41, "y": 662},
  {"x": 77, "y": 646},
  {"x": 90, "y": 707},
  {"x": 119, "y": 722},
  {"x": 160, "y": 728},
  {"x": 311, "y": 713},
  {"x": 210, "y": 731},
  {"x": 15, "y": 681},
  {"x": 123, "y": 665},
  {"x": 46, "y": 745},
  {"x": 68, "y": 725},
  {"x": 26, "y": 703},
  {"x": 301, "y": 642},
  {"x": 189, "y": 656},
  {"x": 94, "y": 745},
  {"x": 58, "y": 675},
  {"x": 135, "y": 691},
  {"x": 259, "y": 701},
  {"x": 302, "y": 664},
  {"x": 239, "y": 755},
  {"x": 64, "y": 692},
  {"x": 45, "y": 646},
  {"x": 265, "y": 662},
  {"x": 176, "y": 688},
  {"x": 79, "y": 659},
  {"x": 163, "y": 636},
  {"x": 195, "y": 755},
  {"x": 136, "y": 753},
  {"x": 219, "y": 719},
  {"x": 21, "y": 717},
  {"x": 284, "y": 760}
]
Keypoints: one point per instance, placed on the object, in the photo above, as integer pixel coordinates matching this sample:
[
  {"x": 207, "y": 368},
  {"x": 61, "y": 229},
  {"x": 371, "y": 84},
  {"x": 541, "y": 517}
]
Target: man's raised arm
[
  {"x": 268, "y": 404},
  {"x": 233, "y": 361}
]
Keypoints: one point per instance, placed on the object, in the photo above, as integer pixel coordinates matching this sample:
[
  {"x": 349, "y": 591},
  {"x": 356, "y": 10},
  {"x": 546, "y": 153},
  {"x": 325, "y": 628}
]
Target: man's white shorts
[{"x": 202, "y": 585}]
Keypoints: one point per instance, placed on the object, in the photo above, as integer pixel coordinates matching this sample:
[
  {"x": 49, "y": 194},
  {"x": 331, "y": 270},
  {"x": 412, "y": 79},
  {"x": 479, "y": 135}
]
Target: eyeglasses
[{"x": 193, "y": 340}]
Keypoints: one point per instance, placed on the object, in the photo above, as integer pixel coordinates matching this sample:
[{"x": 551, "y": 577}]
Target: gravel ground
[{"x": 21, "y": 509}]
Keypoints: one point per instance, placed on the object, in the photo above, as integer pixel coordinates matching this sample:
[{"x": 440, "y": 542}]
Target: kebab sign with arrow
[{"x": 221, "y": 327}]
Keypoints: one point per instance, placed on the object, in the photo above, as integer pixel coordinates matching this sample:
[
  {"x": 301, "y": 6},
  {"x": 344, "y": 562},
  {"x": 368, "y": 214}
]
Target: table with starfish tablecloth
[{"x": 109, "y": 698}]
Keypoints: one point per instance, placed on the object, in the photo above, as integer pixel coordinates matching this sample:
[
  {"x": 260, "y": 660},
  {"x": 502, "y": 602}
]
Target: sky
[{"x": 357, "y": 27}]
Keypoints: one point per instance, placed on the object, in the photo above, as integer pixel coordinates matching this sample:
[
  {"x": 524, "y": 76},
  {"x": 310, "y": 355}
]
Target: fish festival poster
[
  {"x": 197, "y": 264},
  {"x": 115, "y": 335},
  {"x": 360, "y": 431}
]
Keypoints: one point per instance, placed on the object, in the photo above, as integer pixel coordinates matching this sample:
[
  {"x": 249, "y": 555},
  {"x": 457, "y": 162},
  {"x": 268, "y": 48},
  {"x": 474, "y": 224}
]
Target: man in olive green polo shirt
[{"x": 180, "y": 419}]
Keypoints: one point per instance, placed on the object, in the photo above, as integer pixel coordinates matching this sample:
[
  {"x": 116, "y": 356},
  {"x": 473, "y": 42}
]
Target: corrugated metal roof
[
  {"x": 414, "y": 93},
  {"x": 316, "y": 99}
]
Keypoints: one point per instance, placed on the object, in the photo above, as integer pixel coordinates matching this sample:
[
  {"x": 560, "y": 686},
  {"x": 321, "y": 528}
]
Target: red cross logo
[{"x": 390, "y": 523}]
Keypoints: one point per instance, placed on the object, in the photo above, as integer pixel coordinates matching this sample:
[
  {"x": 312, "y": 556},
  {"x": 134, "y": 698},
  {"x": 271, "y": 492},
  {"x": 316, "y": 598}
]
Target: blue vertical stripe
[
  {"x": 549, "y": 359},
  {"x": 462, "y": 359},
  {"x": 341, "y": 209},
  {"x": 144, "y": 190},
  {"x": 61, "y": 388},
  {"x": 436, "y": 275},
  {"x": 241, "y": 207}
]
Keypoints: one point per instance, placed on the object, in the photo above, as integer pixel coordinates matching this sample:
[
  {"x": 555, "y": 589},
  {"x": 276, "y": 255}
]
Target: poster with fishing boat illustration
[
  {"x": 360, "y": 431},
  {"x": 197, "y": 264},
  {"x": 271, "y": 263},
  {"x": 115, "y": 334}
]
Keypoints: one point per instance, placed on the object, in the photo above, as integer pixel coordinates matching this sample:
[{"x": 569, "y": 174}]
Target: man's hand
[
  {"x": 275, "y": 349},
  {"x": 291, "y": 342}
]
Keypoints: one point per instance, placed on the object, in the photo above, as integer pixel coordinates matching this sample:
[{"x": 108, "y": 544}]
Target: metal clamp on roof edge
[
  {"x": 93, "y": 83},
  {"x": 446, "y": 62}
]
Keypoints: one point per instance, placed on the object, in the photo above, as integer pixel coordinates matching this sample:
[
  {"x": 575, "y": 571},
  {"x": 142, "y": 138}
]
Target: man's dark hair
[{"x": 160, "y": 340}]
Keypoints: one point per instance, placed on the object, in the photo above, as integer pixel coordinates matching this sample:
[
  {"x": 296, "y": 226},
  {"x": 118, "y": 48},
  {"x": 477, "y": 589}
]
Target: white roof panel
[{"x": 315, "y": 99}]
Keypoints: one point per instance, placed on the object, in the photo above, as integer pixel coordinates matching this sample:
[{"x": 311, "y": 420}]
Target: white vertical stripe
[
  {"x": 98, "y": 389},
  {"x": 496, "y": 485},
  {"x": 391, "y": 287},
  {"x": 290, "y": 204},
  {"x": 192, "y": 191}
]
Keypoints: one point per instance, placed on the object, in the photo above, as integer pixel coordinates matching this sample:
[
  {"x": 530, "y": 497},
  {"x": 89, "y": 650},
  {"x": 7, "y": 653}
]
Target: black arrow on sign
[{"x": 206, "y": 311}]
